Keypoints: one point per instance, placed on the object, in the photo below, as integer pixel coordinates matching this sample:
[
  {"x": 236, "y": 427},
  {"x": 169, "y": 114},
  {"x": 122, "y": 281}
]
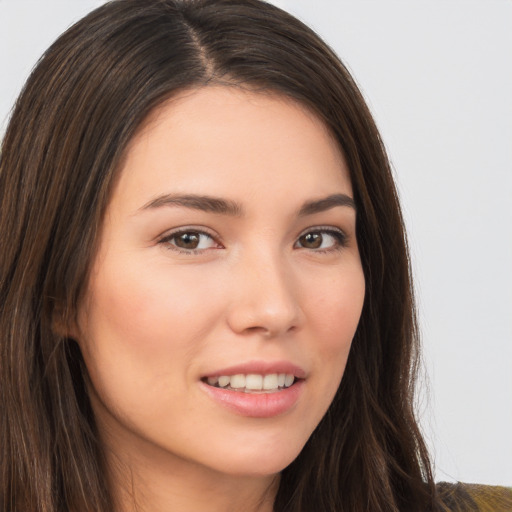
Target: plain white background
[{"x": 438, "y": 77}]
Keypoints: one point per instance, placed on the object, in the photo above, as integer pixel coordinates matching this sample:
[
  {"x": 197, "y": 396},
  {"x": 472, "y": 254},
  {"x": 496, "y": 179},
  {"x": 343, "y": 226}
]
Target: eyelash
[
  {"x": 341, "y": 239},
  {"x": 182, "y": 231}
]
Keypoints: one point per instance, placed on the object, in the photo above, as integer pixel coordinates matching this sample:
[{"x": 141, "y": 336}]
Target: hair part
[{"x": 65, "y": 142}]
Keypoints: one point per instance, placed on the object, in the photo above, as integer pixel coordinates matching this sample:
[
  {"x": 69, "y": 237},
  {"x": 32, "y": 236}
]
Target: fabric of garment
[{"x": 461, "y": 497}]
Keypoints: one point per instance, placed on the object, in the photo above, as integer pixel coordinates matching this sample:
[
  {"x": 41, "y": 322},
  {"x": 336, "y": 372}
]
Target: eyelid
[
  {"x": 338, "y": 233},
  {"x": 341, "y": 236},
  {"x": 184, "y": 229},
  {"x": 169, "y": 235},
  {"x": 322, "y": 228}
]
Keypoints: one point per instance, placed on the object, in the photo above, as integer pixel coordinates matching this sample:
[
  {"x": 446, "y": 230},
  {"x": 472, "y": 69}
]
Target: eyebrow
[
  {"x": 321, "y": 205},
  {"x": 234, "y": 209},
  {"x": 197, "y": 202}
]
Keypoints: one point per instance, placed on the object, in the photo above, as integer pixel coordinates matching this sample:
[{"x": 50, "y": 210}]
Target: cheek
[
  {"x": 335, "y": 315},
  {"x": 142, "y": 306},
  {"x": 142, "y": 329},
  {"x": 336, "y": 309}
]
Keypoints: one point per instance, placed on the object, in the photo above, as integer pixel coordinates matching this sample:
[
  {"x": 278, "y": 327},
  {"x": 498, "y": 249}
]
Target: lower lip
[{"x": 256, "y": 405}]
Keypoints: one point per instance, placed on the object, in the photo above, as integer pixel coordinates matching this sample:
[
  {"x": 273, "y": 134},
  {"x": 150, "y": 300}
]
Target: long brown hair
[{"x": 66, "y": 138}]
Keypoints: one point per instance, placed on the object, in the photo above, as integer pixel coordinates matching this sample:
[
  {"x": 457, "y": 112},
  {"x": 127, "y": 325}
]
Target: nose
[{"x": 265, "y": 298}]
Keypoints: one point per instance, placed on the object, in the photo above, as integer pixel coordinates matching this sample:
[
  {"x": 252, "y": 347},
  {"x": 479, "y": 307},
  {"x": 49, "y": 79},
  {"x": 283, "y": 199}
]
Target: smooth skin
[{"x": 180, "y": 289}]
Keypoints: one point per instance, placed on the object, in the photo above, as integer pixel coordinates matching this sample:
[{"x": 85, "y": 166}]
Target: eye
[
  {"x": 189, "y": 241},
  {"x": 322, "y": 240}
]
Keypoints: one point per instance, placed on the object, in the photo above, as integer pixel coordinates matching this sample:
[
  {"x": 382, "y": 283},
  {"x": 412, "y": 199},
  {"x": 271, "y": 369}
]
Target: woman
[{"x": 192, "y": 318}]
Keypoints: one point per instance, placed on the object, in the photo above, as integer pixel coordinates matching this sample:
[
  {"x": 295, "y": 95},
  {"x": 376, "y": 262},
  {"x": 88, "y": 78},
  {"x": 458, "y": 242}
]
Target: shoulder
[{"x": 461, "y": 497}]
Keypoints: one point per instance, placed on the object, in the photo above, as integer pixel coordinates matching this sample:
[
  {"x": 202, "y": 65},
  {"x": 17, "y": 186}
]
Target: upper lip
[{"x": 260, "y": 368}]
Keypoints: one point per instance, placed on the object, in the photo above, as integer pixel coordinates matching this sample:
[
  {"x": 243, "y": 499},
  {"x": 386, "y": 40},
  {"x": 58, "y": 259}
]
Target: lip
[{"x": 257, "y": 405}]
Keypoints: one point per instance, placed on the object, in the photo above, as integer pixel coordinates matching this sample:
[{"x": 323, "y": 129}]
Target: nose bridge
[{"x": 266, "y": 300}]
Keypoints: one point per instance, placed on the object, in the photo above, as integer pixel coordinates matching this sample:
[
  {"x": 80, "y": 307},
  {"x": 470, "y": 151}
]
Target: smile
[{"x": 252, "y": 382}]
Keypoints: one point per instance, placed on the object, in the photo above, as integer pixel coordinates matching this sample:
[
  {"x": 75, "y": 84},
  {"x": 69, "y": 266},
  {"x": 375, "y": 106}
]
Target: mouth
[
  {"x": 256, "y": 389},
  {"x": 252, "y": 383}
]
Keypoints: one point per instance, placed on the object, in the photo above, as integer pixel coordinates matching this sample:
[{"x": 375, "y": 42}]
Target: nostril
[{"x": 270, "y": 332}]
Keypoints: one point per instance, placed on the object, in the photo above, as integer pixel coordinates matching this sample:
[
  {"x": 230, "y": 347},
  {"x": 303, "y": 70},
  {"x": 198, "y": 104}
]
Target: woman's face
[{"x": 227, "y": 287}]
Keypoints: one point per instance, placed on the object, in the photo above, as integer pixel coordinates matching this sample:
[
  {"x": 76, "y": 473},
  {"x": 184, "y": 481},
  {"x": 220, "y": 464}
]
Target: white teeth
[
  {"x": 270, "y": 381},
  {"x": 253, "y": 381},
  {"x": 288, "y": 380},
  {"x": 224, "y": 381},
  {"x": 238, "y": 381}
]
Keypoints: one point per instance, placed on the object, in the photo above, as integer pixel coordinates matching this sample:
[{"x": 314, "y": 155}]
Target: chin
[{"x": 258, "y": 460}]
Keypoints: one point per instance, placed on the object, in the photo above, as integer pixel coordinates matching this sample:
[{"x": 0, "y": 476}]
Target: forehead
[{"x": 220, "y": 140}]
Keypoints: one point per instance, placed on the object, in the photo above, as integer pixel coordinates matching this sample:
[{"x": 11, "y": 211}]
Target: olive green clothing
[{"x": 475, "y": 497}]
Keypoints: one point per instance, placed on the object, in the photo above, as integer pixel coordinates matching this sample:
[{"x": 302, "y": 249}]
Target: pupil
[
  {"x": 188, "y": 240},
  {"x": 312, "y": 240}
]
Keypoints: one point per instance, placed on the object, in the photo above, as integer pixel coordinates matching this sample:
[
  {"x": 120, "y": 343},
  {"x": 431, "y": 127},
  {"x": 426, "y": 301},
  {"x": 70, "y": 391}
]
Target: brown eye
[
  {"x": 185, "y": 241},
  {"x": 322, "y": 240},
  {"x": 311, "y": 240}
]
